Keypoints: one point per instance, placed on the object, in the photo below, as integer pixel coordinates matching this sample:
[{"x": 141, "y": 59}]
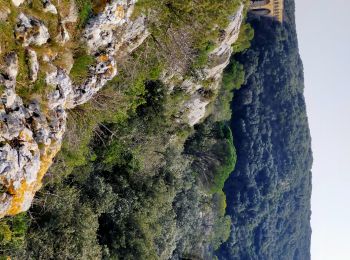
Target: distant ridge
[{"x": 268, "y": 194}]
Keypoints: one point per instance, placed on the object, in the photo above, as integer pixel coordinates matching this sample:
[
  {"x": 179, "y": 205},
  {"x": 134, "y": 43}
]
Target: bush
[
  {"x": 85, "y": 11},
  {"x": 81, "y": 66},
  {"x": 213, "y": 153},
  {"x": 12, "y": 234},
  {"x": 246, "y": 35}
]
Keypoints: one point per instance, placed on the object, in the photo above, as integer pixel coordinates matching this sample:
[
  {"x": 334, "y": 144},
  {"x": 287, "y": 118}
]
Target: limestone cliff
[
  {"x": 31, "y": 135},
  {"x": 31, "y": 132}
]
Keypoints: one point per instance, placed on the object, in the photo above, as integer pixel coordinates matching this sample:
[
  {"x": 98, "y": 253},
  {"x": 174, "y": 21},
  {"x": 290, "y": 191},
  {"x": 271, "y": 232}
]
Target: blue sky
[{"x": 324, "y": 42}]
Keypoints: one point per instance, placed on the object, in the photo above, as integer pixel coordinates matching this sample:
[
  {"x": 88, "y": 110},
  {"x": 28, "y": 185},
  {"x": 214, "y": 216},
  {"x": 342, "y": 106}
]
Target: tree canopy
[{"x": 268, "y": 194}]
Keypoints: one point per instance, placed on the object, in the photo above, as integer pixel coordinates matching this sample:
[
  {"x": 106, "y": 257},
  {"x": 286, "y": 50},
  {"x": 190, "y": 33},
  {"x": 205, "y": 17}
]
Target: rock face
[
  {"x": 195, "y": 108},
  {"x": 33, "y": 65},
  {"x": 49, "y": 7},
  {"x": 30, "y": 138},
  {"x": 31, "y": 31},
  {"x": 19, "y": 152}
]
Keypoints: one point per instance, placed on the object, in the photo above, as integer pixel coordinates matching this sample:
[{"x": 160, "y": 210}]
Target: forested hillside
[
  {"x": 142, "y": 165},
  {"x": 268, "y": 194}
]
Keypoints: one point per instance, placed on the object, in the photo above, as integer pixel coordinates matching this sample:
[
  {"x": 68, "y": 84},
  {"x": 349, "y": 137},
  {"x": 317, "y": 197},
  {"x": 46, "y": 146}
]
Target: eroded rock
[
  {"x": 100, "y": 32},
  {"x": 49, "y": 7},
  {"x": 33, "y": 64},
  {"x": 31, "y": 138},
  {"x": 31, "y": 31},
  {"x": 195, "y": 108}
]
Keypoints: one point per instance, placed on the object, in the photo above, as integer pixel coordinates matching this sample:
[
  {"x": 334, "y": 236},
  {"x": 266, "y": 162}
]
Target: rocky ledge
[{"x": 208, "y": 79}]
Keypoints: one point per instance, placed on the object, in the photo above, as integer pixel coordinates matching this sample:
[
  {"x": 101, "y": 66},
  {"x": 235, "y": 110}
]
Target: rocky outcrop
[
  {"x": 30, "y": 137},
  {"x": 33, "y": 65},
  {"x": 19, "y": 152},
  {"x": 49, "y": 7},
  {"x": 209, "y": 78},
  {"x": 31, "y": 31}
]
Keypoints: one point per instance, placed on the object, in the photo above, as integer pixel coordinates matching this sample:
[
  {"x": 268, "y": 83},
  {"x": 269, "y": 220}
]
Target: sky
[{"x": 324, "y": 42}]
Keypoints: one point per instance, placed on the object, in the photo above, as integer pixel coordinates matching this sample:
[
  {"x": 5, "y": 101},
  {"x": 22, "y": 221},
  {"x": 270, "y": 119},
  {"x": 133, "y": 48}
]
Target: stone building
[{"x": 270, "y": 8}]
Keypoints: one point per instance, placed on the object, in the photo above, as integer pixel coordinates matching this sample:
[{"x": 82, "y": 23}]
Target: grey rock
[
  {"x": 31, "y": 31},
  {"x": 33, "y": 64},
  {"x": 17, "y": 3},
  {"x": 49, "y": 7}
]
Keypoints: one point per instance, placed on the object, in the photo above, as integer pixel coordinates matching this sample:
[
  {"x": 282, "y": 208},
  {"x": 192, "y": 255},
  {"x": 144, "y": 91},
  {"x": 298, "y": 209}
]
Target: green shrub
[
  {"x": 81, "y": 66},
  {"x": 12, "y": 234},
  {"x": 246, "y": 35},
  {"x": 202, "y": 55},
  {"x": 221, "y": 232},
  {"x": 233, "y": 79},
  {"x": 213, "y": 152},
  {"x": 85, "y": 11},
  {"x": 226, "y": 151}
]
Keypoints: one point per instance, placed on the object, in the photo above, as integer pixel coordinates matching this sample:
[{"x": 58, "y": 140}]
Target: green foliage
[
  {"x": 38, "y": 89},
  {"x": 233, "y": 79},
  {"x": 246, "y": 34},
  {"x": 221, "y": 231},
  {"x": 81, "y": 65},
  {"x": 219, "y": 201},
  {"x": 226, "y": 151},
  {"x": 115, "y": 103},
  {"x": 12, "y": 234},
  {"x": 204, "y": 15},
  {"x": 122, "y": 186},
  {"x": 202, "y": 55},
  {"x": 214, "y": 153},
  {"x": 85, "y": 11},
  {"x": 7, "y": 37},
  {"x": 67, "y": 227},
  {"x": 268, "y": 194},
  {"x": 198, "y": 23},
  {"x": 233, "y": 76},
  {"x": 2, "y": 89}
]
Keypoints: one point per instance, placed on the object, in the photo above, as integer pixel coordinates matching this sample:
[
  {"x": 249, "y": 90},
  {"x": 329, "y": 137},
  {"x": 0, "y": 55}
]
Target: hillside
[
  {"x": 116, "y": 136},
  {"x": 114, "y": 141},
  {"x": 268, "y": 194}
]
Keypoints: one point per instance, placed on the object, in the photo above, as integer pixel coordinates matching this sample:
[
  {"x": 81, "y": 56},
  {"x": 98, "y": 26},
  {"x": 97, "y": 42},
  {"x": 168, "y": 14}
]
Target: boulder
[
  {"x": 31, "y": 31},
  {"x": 49, "y": 7},
  {"x": 33, "y": 64},
  {"x": 17, "y": 3}
]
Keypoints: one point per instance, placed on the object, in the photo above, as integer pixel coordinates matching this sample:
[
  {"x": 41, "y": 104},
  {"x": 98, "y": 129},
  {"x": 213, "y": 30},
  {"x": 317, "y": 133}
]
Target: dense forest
[{"x": 268, "y": 194}]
